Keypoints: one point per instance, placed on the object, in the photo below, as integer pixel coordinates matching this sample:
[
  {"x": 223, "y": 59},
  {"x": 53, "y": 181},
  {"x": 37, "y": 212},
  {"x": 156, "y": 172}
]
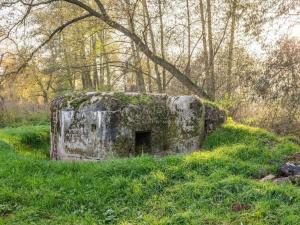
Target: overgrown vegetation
[
  {"x": 13, "y": 114},
  {"x": 218, "y": 185},
  {"x": 28, "y": 139}
]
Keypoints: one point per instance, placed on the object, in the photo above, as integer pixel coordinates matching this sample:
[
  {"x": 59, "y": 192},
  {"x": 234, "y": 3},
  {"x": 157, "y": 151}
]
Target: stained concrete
[{"x": 97, "y": 126}]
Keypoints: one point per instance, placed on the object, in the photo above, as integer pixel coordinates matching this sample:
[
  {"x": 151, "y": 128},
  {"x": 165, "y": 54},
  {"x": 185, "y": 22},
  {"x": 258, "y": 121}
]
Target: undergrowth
[
  {"x": 18, "y": 116},
  {"x": 28, "y": 139},
  {"x": 199, "y": 188}
]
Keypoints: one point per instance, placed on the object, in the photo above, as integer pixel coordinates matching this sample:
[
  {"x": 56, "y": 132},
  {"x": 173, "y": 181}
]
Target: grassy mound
[{"x": 218, "y": 185}]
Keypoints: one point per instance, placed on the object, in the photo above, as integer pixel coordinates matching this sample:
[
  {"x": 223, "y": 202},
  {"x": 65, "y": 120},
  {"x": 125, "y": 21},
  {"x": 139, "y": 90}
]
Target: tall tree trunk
[
  {"x": 106, "y": 59},
  {"x": 45, "y": 98},
  {"x": 149, "y": 76},
  {"x": 86, "y": 73},
  {"x": 158, "y": 79},
  {"x": 230, "y": 48},
  {"x": 138, "y": 68},
  {"x": 149, "y": 80},
  {"x": 162, "y": 45},
  {"x": 204, "y": 41},
  {"x": 211, "y": 79},
  {"x": 108, "y": 72},
  {"x": 70, "y": 75},
  {"x": 188, "y": 66},
  {"x": 135, "y": 51},
  {"x": 101, "y": 62},
  {"x": 95, "y": 67}
]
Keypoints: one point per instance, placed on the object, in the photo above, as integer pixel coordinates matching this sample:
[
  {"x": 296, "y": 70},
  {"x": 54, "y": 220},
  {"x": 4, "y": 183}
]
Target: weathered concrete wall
[
  {"x": 214, "y": 117},
  {"x": 186, "y": 123},
  {"x": 96, "y": 126}
]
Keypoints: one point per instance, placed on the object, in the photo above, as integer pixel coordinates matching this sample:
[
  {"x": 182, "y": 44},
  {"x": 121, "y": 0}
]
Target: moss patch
[
  {"x": 77, "y": 99},
  {"x": 77, "y": 102},
  {"x": 133, "y": 99}
]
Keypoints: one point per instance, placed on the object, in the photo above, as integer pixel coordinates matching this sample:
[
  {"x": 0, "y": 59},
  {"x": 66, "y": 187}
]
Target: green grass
[
  {"x": 197, "y": 188},
  {"x": 28, "y": 139}
]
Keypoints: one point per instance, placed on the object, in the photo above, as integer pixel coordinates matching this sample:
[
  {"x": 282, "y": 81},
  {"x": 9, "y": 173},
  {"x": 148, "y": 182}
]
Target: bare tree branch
[
  {"x": 56, "y": 31},
  {"x": 141, "y": 45}
]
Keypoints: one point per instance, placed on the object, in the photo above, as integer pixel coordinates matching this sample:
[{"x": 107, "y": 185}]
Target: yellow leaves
[
  {"x": 136, "y": 188},
  {"x": 158, "y": 176},
  {"x": 198, "y": 157}
]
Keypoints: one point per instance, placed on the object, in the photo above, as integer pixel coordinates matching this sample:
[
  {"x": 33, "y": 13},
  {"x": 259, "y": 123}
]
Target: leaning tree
[{"x": 96, "y": 9}]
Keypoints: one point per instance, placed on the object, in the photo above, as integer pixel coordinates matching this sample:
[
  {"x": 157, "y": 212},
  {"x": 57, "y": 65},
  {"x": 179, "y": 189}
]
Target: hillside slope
[{"x": 218, "y": 185}]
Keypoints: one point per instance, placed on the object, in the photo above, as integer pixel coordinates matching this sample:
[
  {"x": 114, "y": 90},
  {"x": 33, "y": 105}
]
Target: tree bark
[
  {"x": 230, "y": 49},
  {"x": 158, "y": 79},
  {"x": 211, "y": 78},
  {"x": 70, "y": 74},
  {"x": 149, "y": 77},
  {"x": 95, "y": 67},
  {"x": 162, "y": 45},
  {"x": 101, "y": 62},
  {"x": 204, "y": 40},
  {"x": 86, "y": 73},
  {"x": 106, "y": 59},
  {"x": 188, "y": 66},
  {"x": 135, "y": 51}
]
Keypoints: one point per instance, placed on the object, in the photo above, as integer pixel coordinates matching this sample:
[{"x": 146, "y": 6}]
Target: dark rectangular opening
[
  {"x": 142, "y": 142},
  {"x": 93, "y": 127}
]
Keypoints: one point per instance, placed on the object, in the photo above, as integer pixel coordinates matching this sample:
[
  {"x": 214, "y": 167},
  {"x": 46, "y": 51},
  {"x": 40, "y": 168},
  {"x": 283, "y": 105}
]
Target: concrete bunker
[{"x": 96, "y": 126}]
